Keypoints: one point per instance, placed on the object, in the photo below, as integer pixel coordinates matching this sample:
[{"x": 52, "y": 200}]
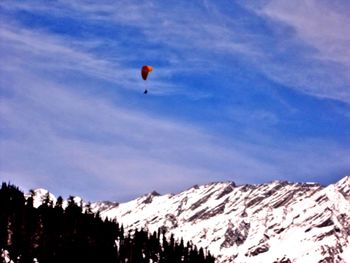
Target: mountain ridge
[{"x": 278, "y": 221}]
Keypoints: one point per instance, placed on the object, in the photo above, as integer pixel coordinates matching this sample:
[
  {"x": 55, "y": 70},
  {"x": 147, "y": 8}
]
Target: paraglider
[{"x": 144, "y": 73}]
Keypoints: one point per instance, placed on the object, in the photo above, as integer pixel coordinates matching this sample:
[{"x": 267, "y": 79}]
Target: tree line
[{"x": 52, "y": 234}]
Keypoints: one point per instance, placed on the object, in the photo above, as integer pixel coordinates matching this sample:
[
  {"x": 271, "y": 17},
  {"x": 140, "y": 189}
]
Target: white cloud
[
  {"x": 320, "y": 42},
  {"x": 62, "y": 139},
  {"x": 193, "y": 30},
  {"x": 315, "y": 60},
  {"x": 58, "y": 135},
  {"x": 318, "y": 23},
  {"x": 44, "y": 51},
  {"x": 54, "y": 130}
]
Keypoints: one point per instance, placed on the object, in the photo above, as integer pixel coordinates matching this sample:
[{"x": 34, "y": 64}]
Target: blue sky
[{"x": 245, "y": 91}]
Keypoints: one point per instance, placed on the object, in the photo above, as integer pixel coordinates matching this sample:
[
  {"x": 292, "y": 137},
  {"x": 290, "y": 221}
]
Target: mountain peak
[
  {"x": 39, "y": 195},
  {"x": 343, "y": 186}
]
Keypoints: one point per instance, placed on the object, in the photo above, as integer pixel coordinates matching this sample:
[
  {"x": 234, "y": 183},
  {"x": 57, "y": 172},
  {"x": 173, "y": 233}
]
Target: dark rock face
[
  {"x": 328, "y": 222},
  {"x": 284, "y": 200},
  {"x": 213, "y": 212},
  {"x": 283, "y": 260},
  {"x": 255, "y": 201},
  {"x": 149, "y": 197},
  {"x": 228, "y": 189},
  {"x": 236, "y": 236},
  {"x": 208, "y": 212},
  {"x": 258, "y": 250},
  {"x": 343, "y": 186},
  {"x": 344, "y": 220},
  {"x": 199, "y": 202},
  {"x": 171, "y": 220},
  {"x": 279, "y": 230},
  {"x": 197, "y": 215}
]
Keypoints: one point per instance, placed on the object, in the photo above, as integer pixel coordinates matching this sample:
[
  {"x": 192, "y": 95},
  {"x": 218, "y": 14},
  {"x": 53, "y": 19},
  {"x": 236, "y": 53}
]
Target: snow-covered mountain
[
  {"x": 273, "y": 222},
  {"x": 40, "y": 195}
]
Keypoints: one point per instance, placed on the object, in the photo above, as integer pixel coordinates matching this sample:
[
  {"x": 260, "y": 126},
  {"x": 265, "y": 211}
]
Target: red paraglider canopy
[{"x": 145, "y": 70}]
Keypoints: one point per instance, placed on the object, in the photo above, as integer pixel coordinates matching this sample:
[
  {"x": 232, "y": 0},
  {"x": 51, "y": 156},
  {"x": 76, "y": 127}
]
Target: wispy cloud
[
  {"x": 315, "y": 32},
  {"x": 197, "y": 29},
  {"x": 42, "y": 51},
  {"x": 52, "y": 130},
  {"x": 203, "y": 36},
  {"x": 320, "y": 24},
  {"x": 66, "y": 140},
  {"x": 58, "y": 135}
]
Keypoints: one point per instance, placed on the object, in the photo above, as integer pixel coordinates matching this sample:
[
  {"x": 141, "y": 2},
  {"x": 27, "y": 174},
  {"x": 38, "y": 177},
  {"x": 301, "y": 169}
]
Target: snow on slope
[
  {"x": 39, "y": 196},
  {"x": 5, "y": 256},
  {"x": 274, "y": 222}
]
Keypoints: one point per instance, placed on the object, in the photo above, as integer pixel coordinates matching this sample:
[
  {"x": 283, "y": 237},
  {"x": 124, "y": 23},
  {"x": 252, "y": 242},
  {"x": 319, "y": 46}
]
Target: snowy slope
[
  {"x": 274, "y": 222},
  {"x": 39, "y": 196}
]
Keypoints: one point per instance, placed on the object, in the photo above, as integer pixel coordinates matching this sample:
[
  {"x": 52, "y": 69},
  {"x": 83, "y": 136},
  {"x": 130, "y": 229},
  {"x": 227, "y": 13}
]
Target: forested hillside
[{"x": 51, "y": 233}]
